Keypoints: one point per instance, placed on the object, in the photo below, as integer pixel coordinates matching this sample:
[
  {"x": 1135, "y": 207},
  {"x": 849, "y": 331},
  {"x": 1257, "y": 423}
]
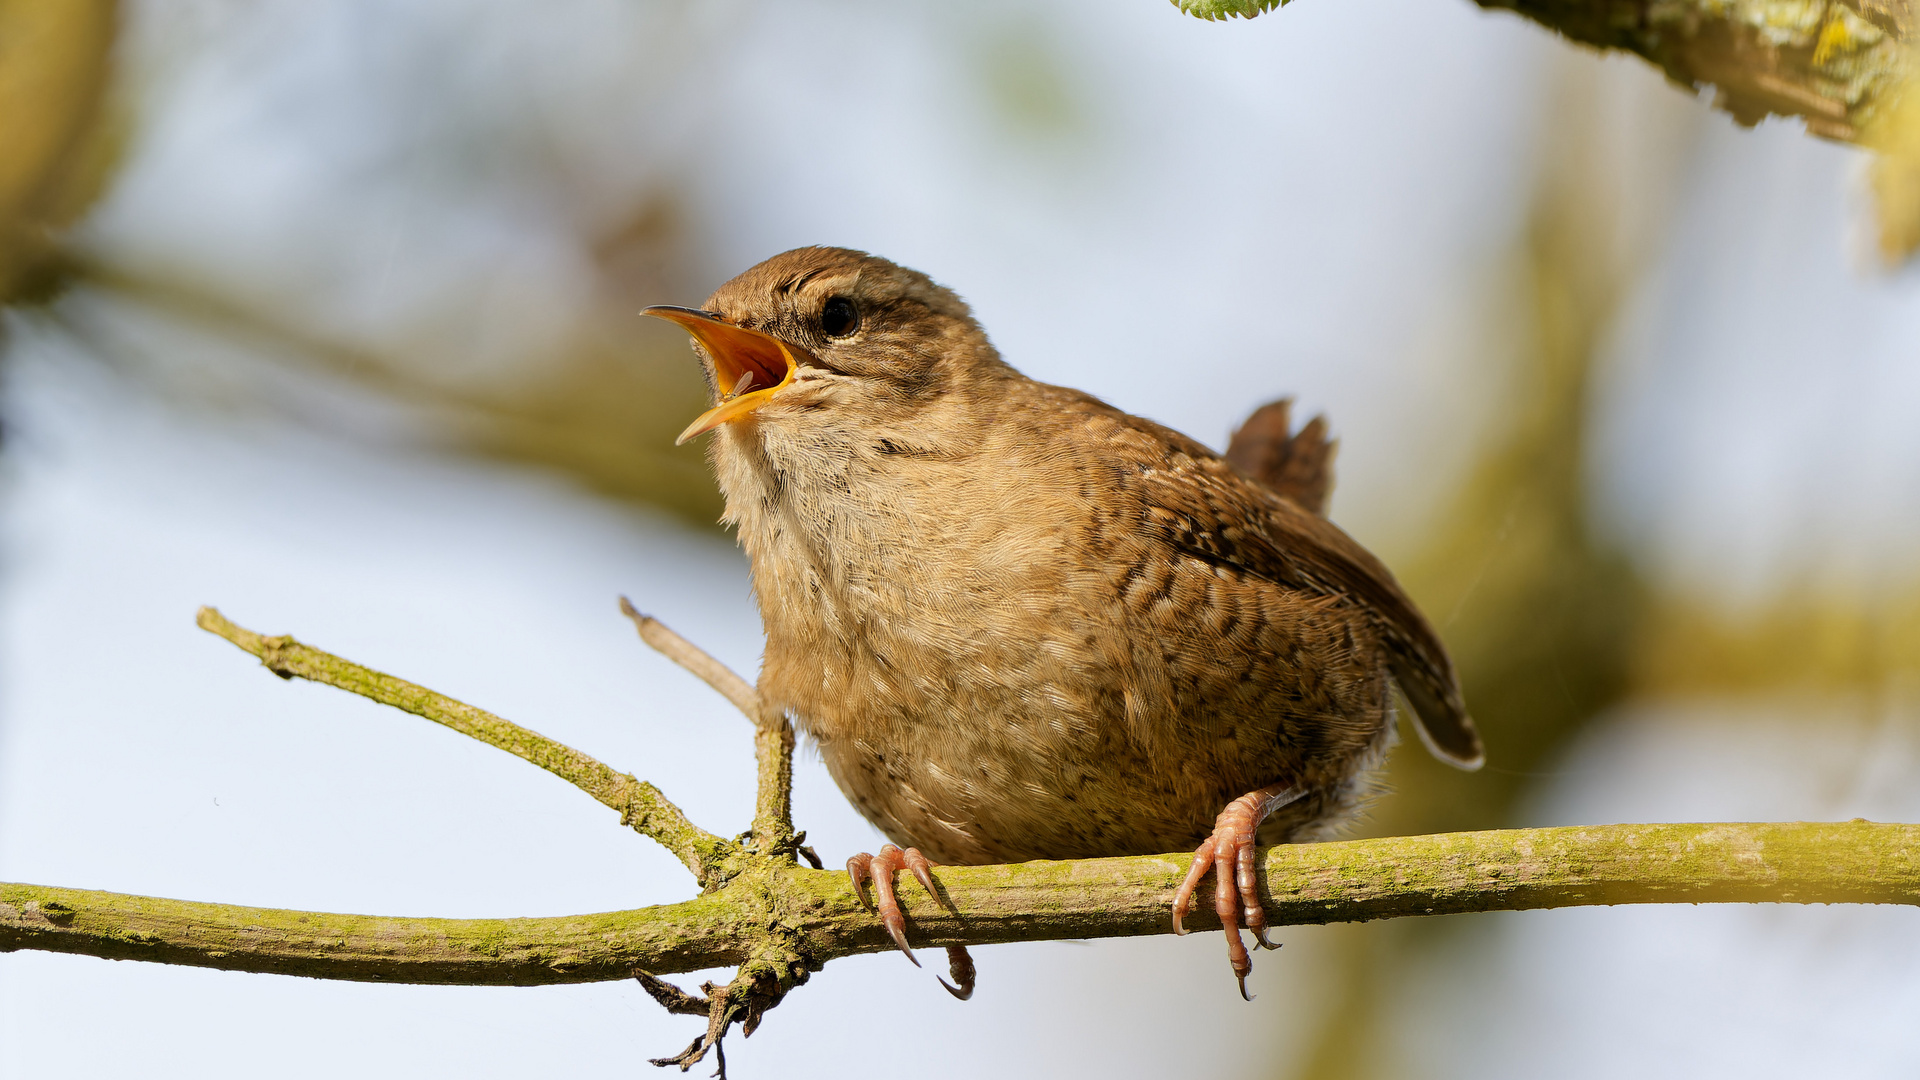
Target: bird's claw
[
  {"x": 1229, "y": 853},
  {"x": 1183, "y": 899},
  {"x": 960, "y": 966},
  {"x": 879, "y": 869}
]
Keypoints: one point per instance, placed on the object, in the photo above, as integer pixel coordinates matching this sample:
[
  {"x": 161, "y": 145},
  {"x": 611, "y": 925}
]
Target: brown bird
[{"x": 1022, "y": 624}]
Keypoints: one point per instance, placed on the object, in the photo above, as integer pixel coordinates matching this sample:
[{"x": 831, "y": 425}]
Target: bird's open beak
[{"x": 748, "y": 366}]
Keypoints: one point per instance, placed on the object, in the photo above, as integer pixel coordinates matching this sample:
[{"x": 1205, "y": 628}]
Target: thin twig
[
  {"x": 641, "y": 805},
  {"x": 772, "y": 739},
  {"x": 670, "y": 997},
  {"x": 1348, "y": 881},
  {"x": 695, "y": 659}
]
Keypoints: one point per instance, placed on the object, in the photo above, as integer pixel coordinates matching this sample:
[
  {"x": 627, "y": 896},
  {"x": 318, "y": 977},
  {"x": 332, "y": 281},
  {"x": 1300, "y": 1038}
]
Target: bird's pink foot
[
  {"x": 1229, "y": 853},
  {"x": 880, "y": 869}
]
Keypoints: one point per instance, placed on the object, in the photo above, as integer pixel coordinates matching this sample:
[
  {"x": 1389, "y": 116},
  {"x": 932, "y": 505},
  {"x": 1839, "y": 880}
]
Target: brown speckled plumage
[{"x": 1020, "y": 623}]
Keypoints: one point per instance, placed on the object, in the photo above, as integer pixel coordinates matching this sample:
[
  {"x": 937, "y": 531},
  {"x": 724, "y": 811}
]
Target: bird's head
[{"x": 832, "y": 340}]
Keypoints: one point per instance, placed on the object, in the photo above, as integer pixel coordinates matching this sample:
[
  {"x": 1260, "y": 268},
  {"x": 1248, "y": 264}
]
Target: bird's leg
[
  {"x": 1229, "y": 853},
  {"x": 880, "y": 870}
]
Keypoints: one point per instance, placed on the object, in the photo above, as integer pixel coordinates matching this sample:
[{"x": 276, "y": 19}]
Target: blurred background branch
[{"x": 56, "y": 143}]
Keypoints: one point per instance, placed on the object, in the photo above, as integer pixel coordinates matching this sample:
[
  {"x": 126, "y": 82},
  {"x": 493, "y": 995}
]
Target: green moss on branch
[
  {"x": 1839, "y": 64},
  {"x": 814, "y": 916}
]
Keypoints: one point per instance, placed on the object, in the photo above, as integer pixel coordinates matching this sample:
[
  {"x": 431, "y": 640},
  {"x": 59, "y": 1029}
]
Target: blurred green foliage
[
  {"x": 56, "y": 146},
  {"x": 1541, "y": 616},
  {"x": 1023, "y": 72},
  {"x": 1216, "y": 10}
]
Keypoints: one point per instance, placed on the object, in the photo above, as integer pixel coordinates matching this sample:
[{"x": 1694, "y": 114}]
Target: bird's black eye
[{"x": 839, "y": 318}]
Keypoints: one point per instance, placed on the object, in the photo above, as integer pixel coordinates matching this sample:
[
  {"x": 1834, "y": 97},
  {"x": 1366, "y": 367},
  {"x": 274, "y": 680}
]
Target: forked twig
[{"x": 717, "y": 1007}]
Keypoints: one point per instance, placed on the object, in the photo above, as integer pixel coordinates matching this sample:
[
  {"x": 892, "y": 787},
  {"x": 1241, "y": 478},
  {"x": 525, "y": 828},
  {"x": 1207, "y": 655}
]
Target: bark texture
[
  {"x": 1839, "y": 64},
  {"x": 812, "y": 916}
]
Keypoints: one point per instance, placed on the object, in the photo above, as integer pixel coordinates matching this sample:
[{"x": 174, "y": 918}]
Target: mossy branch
[
  {"x": 1352, "y": 881},
  {"x": 641, "y": 805},
  {"x": 1839, "y": 64}
]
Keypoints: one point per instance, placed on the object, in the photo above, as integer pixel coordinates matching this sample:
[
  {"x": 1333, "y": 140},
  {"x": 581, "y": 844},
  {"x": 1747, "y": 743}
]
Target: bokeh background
[{"x": 325, "y": 313}]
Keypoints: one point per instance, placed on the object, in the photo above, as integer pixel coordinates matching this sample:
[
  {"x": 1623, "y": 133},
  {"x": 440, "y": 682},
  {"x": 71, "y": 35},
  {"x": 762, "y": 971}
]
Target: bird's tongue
[
  {"x": 747, "y": 360},
  {"x": 748, "y": 366}
]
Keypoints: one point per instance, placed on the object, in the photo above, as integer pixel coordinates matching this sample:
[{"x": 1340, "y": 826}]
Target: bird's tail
[
  {"x": 1297, "y": 465},
  {"x": 1439, "y": 715}
]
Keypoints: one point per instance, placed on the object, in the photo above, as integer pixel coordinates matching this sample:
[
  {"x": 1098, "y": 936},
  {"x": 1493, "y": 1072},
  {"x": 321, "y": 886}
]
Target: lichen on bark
[
  {"x": 1838, "y": 64},
  {"x": 783, "y": 915}
]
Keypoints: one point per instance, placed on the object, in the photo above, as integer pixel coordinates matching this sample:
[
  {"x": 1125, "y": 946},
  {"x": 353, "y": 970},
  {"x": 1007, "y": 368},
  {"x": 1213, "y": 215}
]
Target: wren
[{"x": 1022, "y": 624}]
